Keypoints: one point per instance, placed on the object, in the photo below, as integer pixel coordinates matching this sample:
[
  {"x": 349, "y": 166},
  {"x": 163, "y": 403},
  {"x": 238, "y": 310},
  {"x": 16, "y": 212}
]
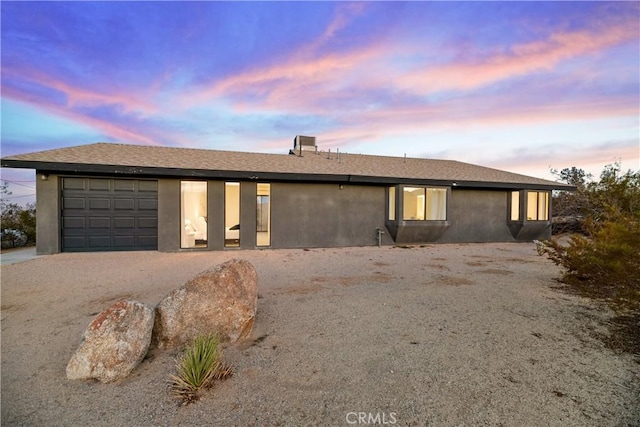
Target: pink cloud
[
  {"x": 78, "y": 96},
  {"x": 345, "y": 13},
  {"x": 304, "y": 72},
  {"x": 106, "y": 127},
  {"x": 521, "y": 60},
  {"x": 316, "y": 83},
  {"x": 591, "y": 158},
  {"x": 285, "y": 84}
]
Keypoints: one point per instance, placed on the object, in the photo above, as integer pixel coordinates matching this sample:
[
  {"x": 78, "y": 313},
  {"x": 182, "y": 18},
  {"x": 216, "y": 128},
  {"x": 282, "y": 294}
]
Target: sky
[{"x": 518, "y": 86}]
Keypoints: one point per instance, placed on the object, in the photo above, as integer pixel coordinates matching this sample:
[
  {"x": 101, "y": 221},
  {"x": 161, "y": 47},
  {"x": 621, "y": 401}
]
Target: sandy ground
[{"x": 440, "y": 335}]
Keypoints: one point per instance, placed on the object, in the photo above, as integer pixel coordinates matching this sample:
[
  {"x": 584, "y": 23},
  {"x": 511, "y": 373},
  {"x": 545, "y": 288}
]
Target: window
[
  {"x": 413, "y": 204},
  {"x": 231, "y": 214},
  {"x": 193, "y": 214},
  {"x": 515, "y": 205},
  {"x": 537, "y": 206},
  {"x": 436, "y": 204},
  {"x": 263, "y": 215},
  {"x": 392, "y": 203},
  {"x": 424, "y": 204}
]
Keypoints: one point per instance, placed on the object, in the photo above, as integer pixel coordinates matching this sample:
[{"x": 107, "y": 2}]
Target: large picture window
[
  {"x": 515, "y": 206},
  {"x": 424, "y": 204},
  {"x": 537, "y": 206},
  {"x": 231, "y": 214},
  {"x": 263, "y": 215},
  {"x": 193, "y": 214}
]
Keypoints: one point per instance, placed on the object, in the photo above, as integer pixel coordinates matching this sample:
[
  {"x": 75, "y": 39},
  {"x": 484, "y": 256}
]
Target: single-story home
[{"x": 104, "y": 197}]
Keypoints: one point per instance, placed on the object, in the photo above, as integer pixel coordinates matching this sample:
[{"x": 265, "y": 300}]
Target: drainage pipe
[{"x": 380, "y": 233}]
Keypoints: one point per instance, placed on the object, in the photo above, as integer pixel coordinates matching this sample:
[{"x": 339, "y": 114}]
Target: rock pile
[{"x": 222, "y": 301}]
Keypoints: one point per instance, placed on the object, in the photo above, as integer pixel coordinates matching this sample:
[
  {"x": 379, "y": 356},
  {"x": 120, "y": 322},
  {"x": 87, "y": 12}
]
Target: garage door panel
[
  {"x": 97, "y": 184},
  {"x": 109, "y": 214},
  {"x": 149, "y": 242},
  {"x": 148, "y": 204},
  {"x": 99, "y": 222},
  {"x": 124, "y": 204},
  {"x": 124, "y": 241},
  {"x": 74, "y": 242},
  {"x": 148, "y": 186},
  {"x": 96, "y": 242},
  {"x": 124, "y": 185},
  {"x": 73, "y": 183},
  {"x": 124, "y": 222},
  {"x": 70, "y": 222},
  {"x": 74, "y": 203},
  {"x": 144, "y": 222},
  {"x": 99, "y": 204}
]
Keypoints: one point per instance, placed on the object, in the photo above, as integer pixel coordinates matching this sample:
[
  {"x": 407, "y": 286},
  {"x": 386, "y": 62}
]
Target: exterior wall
[
  {"x": 215, "y": 215},
  {"x": 316, "y": 215},
  {"x": 531, "y": 230},
  {"x": 477, "y": 216},
  {"x": 325, "y": 215},
  {"x": 248, "y": 203},
  {"x": 169, "y": 226},
  {"x": 47, "y": 214},
  {"x": 302, "y": 215},
  {"x": 168, "y": 215}
]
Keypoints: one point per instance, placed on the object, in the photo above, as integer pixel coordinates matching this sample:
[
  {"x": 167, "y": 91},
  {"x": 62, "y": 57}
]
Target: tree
[
  {"x": 573, "y": 176},
  {"x": 4, "y": 192},
  {"x": 602, "y": 200},
  {"x": 18, "y": 223}
]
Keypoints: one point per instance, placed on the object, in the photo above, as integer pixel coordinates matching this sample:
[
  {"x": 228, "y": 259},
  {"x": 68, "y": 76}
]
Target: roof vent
[{"x": 304, "y": 143}]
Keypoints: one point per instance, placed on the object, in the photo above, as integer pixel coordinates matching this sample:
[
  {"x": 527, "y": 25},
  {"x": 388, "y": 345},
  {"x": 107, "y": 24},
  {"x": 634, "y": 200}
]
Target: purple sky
[{"x": 513, "y": 85}]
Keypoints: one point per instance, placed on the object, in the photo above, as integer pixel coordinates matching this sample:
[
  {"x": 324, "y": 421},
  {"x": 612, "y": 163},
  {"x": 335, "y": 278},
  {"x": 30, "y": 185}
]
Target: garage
[{"x": 106, "y": 214}]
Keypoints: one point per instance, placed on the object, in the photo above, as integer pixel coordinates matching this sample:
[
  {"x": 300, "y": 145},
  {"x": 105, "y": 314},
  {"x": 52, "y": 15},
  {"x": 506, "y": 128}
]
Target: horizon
[{"x": 522, "y": 87}]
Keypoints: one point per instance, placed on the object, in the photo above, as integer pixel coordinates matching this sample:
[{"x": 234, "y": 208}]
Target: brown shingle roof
[{"x": 149, "y": 160}]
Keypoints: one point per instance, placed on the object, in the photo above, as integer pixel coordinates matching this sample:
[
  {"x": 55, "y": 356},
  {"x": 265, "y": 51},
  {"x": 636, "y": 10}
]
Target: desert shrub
[
  {"x": 605, "y": 264},
  {"x": 197, "y": 368},
  {"x": 603, "y": 261}
]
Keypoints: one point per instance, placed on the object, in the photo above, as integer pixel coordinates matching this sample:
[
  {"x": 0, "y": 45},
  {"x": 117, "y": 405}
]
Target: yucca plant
[{"x": 197, "y": 368}]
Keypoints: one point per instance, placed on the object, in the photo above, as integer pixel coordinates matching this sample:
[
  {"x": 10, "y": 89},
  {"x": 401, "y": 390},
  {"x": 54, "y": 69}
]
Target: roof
[{"x": 140, "y": 160}]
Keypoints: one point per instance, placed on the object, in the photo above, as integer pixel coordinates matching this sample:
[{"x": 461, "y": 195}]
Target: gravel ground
[{"x": 440, "y": 335}]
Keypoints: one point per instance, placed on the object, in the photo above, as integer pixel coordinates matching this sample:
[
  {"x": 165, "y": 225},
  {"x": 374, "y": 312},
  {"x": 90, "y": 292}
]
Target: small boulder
[
  {"x": 222, "y": 300},
  {"x": 114, "y": 343}
]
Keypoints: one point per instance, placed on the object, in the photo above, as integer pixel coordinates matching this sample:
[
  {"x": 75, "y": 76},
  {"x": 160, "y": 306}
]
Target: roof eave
[{"x": 146, "y": 171}]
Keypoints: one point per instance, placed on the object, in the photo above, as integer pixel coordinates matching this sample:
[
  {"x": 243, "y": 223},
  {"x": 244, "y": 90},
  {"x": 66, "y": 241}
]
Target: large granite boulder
[
  {"x": 222, "y": 300},
  {"x": 114, "y": 343}
]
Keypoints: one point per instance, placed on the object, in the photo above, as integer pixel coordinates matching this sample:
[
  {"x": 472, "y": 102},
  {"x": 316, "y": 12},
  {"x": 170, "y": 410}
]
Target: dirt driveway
[{"x": 439, "y": 335}]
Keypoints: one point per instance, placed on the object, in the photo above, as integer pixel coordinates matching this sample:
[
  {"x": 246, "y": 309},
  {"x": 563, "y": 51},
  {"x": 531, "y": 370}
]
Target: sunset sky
[{"x": 513, "y": 85}]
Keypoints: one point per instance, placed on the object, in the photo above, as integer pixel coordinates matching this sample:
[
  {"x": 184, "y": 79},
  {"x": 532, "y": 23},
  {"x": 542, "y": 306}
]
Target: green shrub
[
  {"x": 604, "y": 260},
  {"x": 197, "y": 368},
  {"x": 605, "y": 264}
]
